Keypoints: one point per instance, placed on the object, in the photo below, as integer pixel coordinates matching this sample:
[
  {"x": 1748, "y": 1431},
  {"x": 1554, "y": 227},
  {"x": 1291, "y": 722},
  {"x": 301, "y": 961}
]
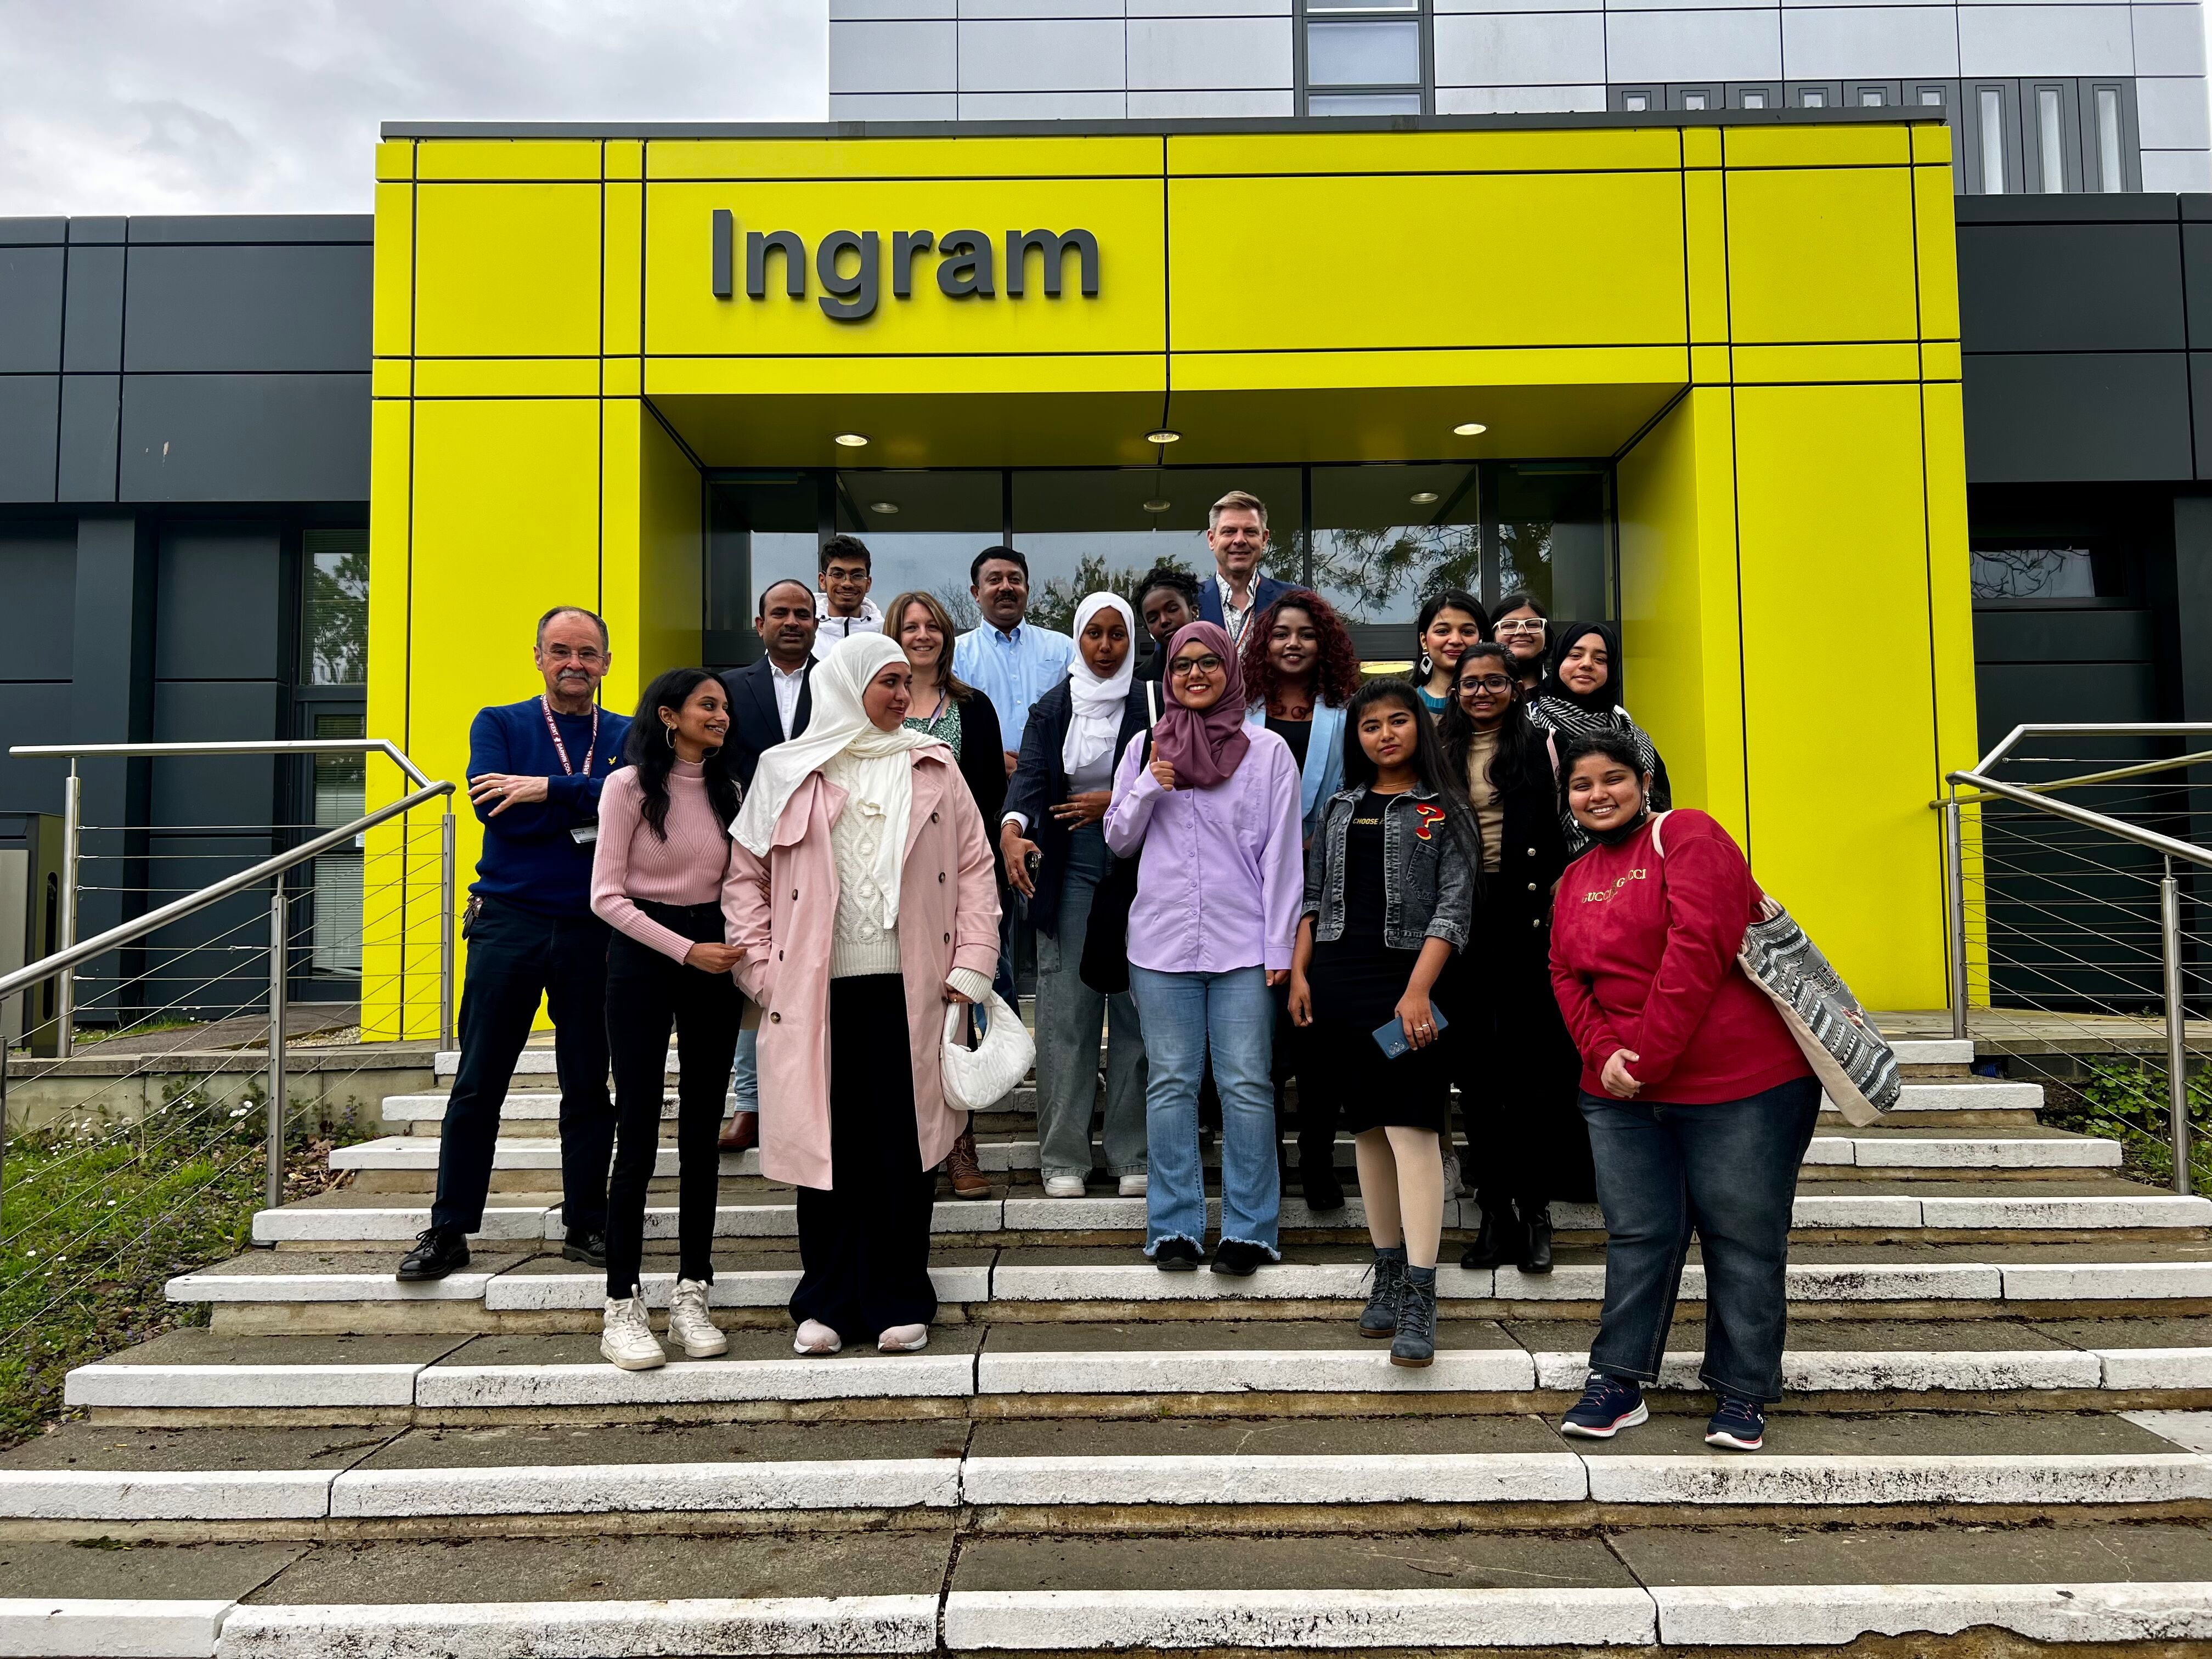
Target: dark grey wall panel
[
  {"x": 2200, "y": 383},
  {"x": 2040, "y": 417},
  {"x": 33, "y": 232},
  {"x": 32, "y": 711},
  {"x": 92, "y": 335},
  {"x": 30, "y": 310},
  {"x": 231, "y": 789},
  {"x": 2192, "y": 570},
  {"x": 38, "y": 575},
  {"x": 91, "y": 415},
  {"x": 30, "y": 425},
  {"x": 2059, "y": 634},
  {"x": 246, "y": 438},
  {"x": 2068, "y": 287},
  {"x": 252, "y": 228},
  {"x": 2007, "y": 695},
  {"x": 231, "y": 310},
  {"x": 217, "y": 616}
]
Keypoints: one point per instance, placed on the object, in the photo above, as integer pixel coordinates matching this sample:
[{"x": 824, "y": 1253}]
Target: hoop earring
[{"x": 670, "y": 732}]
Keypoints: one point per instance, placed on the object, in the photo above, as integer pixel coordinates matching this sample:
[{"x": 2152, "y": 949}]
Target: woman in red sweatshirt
[{"x": 1698, "y": 1100}]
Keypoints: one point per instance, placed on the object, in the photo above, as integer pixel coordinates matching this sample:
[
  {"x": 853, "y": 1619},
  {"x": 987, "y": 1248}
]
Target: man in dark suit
[
  {"x": 770, "y": 701},
  {"x": 1237, "y": 530}
]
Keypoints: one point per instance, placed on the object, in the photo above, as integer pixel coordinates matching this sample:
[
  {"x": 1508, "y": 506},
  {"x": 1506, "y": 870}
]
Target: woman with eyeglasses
[
  {"x": 1699, "y": 1104},
  {"x": 1056, "y": 859},
  {"x": 1449, "y": 623},
  {"x": 1300, "y": 671},
  {"x": 1389, "y": 893},
  {"x": 1582, "y": 697},
  {"x": 1509, "y": 1050},
  {"x": 1521, "y": 626},
  {"x": 1210, "y": 807}
]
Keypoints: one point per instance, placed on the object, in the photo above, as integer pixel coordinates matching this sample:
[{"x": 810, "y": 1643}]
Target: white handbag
[{"x": 978, "y": 1078}]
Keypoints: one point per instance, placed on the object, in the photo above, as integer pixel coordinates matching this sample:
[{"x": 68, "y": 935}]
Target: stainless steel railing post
[
  {"x": 65, "y": 987},
  {"x": 2177, "y": 1016},
  {"x": 279, "y": 953},
  {"x": 1954, "y": 852},
  {"x": 445, "y": 885}
]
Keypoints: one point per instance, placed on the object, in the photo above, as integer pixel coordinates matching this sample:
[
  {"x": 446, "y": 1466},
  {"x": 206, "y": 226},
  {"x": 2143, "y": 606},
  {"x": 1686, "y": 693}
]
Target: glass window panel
[
  {"x": 1931, "y": 97},
  {"x": 1756, "y": 98},
  {"x": 1367, "y": 53},
  {"x": 1871, "y": 97},
  {"x": 763, "y": 529},
  {"x": 923, "y": 529},
  {"x": 339, "y": 787},
  {"x": 1364, "y": 103},
  {"x": 1693, "y": 100},
  {"x": 1813, "y": 97},
  {"x": 1083, "y": 532},
  {"x": 1636, "y": 100},
  {"x": 1552, "y": 538},
  {"x": 2109, "y": 177},
  {"x": 335, "y": 640},
  {"x": 1993, "y": 145},
  {"x": 1378, "y": 550},
  {"x": 1314, "y": 8},
  {"x": 2049, "y": 140},
  {"x": 2033, "y": 573}
]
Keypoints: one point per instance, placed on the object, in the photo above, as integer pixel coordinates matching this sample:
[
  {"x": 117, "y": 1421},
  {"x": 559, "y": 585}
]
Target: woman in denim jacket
[{"x": 1390, "y": 887}]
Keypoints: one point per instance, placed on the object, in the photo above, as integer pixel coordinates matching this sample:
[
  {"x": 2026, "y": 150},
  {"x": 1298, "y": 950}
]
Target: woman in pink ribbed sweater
[{"x": 657, "y": 873}]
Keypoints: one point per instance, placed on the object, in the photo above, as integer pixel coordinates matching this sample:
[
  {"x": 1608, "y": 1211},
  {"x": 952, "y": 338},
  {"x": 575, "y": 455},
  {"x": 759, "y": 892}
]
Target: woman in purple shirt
[{"x": 1213, "y": 807}]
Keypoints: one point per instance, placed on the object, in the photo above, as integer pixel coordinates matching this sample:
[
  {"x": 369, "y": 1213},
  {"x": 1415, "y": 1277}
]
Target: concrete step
[
  {"x": 1190, "y": 1367},
  {"x": 226, "y": 1479}
]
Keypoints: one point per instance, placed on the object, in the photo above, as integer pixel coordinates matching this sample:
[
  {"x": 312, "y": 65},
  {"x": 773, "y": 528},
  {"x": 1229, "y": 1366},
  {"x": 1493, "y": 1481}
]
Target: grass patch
[
  {"x": 2125, "y": 1100},
  {"x": 92, "y": 1222}
]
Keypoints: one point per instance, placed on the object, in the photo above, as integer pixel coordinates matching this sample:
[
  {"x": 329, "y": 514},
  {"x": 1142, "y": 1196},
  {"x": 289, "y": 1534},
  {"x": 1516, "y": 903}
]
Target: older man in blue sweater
[{"x": 535, "y": 769}]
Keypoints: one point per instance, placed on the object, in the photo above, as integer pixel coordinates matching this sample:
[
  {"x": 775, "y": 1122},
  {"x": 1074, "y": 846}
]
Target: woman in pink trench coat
[{"x": 861, "y": 899}]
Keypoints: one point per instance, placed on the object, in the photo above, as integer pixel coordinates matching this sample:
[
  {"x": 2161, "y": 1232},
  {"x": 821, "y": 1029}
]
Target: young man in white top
[{"x": 842, "y": 607}]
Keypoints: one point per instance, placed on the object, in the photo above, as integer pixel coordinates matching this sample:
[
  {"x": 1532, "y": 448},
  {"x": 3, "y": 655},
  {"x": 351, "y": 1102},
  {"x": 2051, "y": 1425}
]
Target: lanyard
[{"x": 561, "y": 748}]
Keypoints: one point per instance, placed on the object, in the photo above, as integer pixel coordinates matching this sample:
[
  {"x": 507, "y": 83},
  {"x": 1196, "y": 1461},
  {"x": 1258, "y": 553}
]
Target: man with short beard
[{"x": 535, "y": 768}]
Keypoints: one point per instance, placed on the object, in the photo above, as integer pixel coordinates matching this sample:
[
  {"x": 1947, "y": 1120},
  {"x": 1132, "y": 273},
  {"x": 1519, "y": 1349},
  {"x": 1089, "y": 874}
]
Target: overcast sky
[{"x": 272, "y": 105}]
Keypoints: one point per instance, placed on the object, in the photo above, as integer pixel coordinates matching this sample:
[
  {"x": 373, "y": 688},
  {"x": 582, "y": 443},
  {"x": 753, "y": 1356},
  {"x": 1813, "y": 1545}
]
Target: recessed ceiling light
[
  {"x": 852, "y": 440},
  {"x": 1158, "y": 506},
  {"x": 1164, "y": 435},
  {"x": 1424, "y": 497},
  {"x": 1469, "y": 429},
  {"x": 882, "y": 507}
]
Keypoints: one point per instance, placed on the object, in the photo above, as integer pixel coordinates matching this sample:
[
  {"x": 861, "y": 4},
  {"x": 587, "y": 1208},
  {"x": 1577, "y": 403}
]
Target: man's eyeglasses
[
  {"x": 1183, "y": 667},
  {"x": 1495, "y": 684},
  {"x": 563, "y": 654},
  {"x": 1522, "y": 625}
]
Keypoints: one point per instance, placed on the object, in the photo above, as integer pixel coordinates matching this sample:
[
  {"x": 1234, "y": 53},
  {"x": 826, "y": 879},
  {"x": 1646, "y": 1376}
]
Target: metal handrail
[
  {"x": 275, "y": 746},
  {"x": 2039, "y": 796},
  {"x": 271, "y": 870}
]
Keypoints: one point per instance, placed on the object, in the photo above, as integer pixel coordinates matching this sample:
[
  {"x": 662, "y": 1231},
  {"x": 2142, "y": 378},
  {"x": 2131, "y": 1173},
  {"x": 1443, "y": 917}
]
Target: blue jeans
[
  {"x": 1727, "y": 1171},
  {"x": 744, "y": 1080},
  {"x": 1184, "y": 1015}
]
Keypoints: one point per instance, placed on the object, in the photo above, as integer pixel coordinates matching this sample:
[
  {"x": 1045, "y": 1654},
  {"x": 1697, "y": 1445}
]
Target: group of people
[{"x": 1242, "y": 862}]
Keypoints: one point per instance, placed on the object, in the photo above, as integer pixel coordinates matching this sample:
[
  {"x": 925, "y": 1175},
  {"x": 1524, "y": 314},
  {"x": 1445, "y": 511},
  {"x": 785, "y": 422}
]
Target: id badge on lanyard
[{"x": 584, "y": 834}]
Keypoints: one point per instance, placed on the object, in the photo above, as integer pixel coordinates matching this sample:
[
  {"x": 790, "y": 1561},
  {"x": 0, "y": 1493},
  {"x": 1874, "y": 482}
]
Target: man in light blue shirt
[{"x": 1009, "y": 660}]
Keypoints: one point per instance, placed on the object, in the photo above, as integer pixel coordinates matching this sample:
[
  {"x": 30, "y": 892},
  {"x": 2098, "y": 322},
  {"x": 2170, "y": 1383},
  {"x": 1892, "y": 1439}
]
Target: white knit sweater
[{"x": 859, "y": 943}]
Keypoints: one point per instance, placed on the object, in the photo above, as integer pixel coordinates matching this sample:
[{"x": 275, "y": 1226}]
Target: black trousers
[
  {"x": 864, "y": 1242},
  {"x": 516, "y": 956},
  {"x": 1296, "y": 1062},
  {"x": 647, "y": 994}
]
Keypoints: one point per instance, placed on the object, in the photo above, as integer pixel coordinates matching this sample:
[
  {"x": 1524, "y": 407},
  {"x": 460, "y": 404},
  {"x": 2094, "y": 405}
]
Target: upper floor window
[
  {"x": 1366, "y": 58},
  {"x": 334, "y": 637}
]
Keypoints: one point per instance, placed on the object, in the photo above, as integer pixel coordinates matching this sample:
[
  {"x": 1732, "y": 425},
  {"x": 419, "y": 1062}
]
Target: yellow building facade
[{"x": 1754, "y": 328}]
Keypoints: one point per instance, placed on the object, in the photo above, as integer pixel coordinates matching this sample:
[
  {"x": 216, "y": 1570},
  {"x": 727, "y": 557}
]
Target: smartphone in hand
[{"x": 1390, "y": 1035}]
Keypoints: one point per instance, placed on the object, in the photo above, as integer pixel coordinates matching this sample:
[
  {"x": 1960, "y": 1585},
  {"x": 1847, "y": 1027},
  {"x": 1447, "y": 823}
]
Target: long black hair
[
  {"x": 1431, "y": 769},
  {"x": 648, "y": 748},
  {"x": 1518, "y": 760},
  {"x": 1607, "y": 696}
]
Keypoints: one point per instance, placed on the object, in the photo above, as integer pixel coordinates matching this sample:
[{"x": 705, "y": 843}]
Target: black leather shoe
[
  {"x": 1238, "y": 1259},
  {"x": 438, "y": 1251},
  {"x": 1318, "y": 1182},
  {"x": 1177, "y": 1256},
  {"x": 588, "y": 1248},
  {"x": 1496, "y": 1241},
  {"x": 1535, "y": 1255}
]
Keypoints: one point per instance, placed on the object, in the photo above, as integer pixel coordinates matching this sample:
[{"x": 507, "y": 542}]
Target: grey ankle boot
[
  {"x": 1415, "y": 1343},
  {"x": 1380, "y": 1317}
]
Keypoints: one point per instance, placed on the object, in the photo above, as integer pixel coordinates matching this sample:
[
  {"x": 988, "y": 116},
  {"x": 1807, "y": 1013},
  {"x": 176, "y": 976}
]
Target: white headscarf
[
  {"x": 873, "y": 767},
  {"x": 1097, "y": 719}
]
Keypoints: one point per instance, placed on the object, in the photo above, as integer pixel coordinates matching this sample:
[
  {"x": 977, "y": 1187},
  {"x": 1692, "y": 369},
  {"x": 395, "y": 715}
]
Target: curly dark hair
[{"x": 1336, "y": 668}]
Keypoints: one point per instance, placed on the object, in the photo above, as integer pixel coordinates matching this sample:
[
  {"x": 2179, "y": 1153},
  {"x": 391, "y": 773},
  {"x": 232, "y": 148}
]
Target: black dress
[{"x": 1357, "y": 981}]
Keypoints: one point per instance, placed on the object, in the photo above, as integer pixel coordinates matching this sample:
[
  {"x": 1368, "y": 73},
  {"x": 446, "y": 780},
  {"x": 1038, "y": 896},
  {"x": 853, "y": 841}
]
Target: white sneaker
[
  {"x": 816, "y": 1338},
  {"x": 689, "y": 1324},
  {"x": 1454, "y": 1187},
  {"x": 903, "y": 1339},
  {"x": 1063, "y": 1187},
  {"x": 626, "y": 1339},
  {"x": 1133, "y": 1186}
]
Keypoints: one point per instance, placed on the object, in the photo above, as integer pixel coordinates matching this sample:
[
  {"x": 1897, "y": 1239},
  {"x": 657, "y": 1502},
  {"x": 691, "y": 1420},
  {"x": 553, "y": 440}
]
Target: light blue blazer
[{"x": 1324, "y": 770}]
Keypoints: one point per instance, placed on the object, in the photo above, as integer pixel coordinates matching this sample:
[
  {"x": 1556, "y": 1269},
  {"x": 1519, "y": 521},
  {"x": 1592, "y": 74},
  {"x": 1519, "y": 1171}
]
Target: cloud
[{"x": 272, "y": 105}]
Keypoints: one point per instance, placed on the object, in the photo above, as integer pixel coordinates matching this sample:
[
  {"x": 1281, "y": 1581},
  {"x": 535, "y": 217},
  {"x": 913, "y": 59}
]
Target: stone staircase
[{"x": 1998, "y": 1434}]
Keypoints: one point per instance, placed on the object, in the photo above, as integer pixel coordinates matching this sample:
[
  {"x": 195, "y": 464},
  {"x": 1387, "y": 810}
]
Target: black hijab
[{"x": 1601, "y": 703}]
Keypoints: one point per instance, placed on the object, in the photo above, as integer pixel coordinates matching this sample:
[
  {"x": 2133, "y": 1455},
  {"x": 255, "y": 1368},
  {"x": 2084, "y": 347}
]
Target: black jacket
[
  {"x": 754, "y": 723},
  {"x": 1531, "y": 856},
  {"x": 984, "y": 766},
  {"x": 1039, "y": 783}
]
